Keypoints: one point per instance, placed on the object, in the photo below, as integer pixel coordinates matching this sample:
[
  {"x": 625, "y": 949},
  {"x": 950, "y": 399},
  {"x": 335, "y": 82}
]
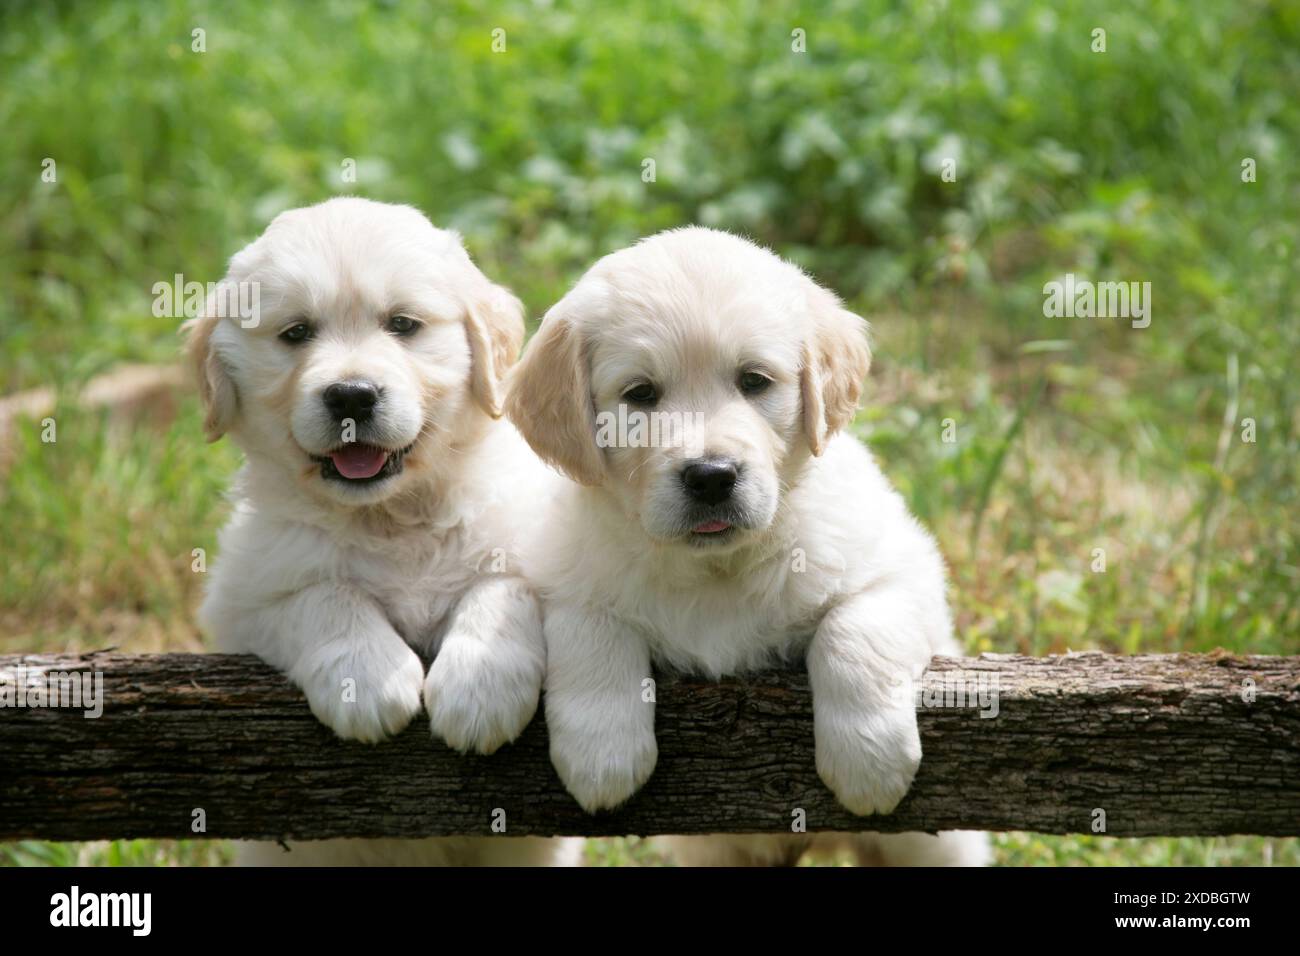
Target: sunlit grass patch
[
  {"x": 118, "y": 853},
  {"x": 101, "y": 527},
  {"x": 1033, "y": 849}
]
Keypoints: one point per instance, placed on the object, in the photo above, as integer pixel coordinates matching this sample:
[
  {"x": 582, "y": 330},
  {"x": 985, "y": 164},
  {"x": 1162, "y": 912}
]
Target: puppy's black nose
[
  {"x": 354, "y": 400},
  {"x": 709, "y": 482}
]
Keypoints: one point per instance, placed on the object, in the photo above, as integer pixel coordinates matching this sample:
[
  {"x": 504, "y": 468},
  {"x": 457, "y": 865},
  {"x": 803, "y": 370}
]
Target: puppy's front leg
[
  {"x": 361, "y": 679},
  {"x": 863, "y": 663},
  {"x": 483, "y": 687},
  {"x": 598, "y": 712}
]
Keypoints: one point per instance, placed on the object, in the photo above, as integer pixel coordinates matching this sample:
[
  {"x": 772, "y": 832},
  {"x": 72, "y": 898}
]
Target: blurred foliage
[{"x": 1124, "y": 163}]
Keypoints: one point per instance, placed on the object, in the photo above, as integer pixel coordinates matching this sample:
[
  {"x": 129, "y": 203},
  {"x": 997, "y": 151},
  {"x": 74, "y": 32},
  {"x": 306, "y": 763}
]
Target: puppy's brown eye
[
  {"x": 402, "y": 325},
  {"x": 751, "y": 383},
  {"x": 294, "y": 334},
  {"x": 643, "y": 394}
]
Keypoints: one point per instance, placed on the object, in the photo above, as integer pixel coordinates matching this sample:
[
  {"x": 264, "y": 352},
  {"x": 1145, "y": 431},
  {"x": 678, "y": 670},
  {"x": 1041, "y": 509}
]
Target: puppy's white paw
[
  {"x": 479, "y": 696},
  {"x": 370, "y": 695},
  {"x": 868, "y": 760},
  {"x": 603, "y": 767}
]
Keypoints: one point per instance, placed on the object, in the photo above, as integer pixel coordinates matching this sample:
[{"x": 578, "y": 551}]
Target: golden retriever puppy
[
  {"x": 375, "y": 516},
  {"x": 694, "y": 387}
]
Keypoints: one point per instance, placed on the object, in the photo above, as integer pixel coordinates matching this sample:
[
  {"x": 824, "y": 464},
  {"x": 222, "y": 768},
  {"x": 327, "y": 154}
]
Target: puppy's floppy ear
[
  {"x": 550, "y": 399},
  {"x": 836, "y": 359},
  {"x": 494, "y": 325},
  {"x": 216, "y": 389}
]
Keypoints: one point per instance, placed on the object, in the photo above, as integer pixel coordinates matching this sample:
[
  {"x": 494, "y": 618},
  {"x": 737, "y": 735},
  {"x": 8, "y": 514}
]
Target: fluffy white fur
[
  {"x": 822, "y": 559},
  {"x": 344, "y": 584}
]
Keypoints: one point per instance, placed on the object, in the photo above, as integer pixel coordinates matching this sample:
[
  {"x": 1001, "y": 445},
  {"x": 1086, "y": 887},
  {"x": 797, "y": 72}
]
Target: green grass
[
  {"x": 1071, "y": 435},
  {"x": 105, "y": 522},
  {"x": 1029, "y": 849},
  {"x": 118, "y": 853}
]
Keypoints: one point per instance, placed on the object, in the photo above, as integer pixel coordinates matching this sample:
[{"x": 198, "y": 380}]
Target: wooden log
[{"x": 1169, "y": 744}]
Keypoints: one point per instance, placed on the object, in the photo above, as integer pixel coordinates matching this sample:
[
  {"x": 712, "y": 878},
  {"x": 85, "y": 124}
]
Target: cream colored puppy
[
  {"x": 757, "y": 532},
  {"x": 375, "y": 517}
]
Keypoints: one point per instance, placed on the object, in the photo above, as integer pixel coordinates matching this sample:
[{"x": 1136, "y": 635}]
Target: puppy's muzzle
[
  {"x": 710, "y": 481},
  {"x": 353, "y": 399}
]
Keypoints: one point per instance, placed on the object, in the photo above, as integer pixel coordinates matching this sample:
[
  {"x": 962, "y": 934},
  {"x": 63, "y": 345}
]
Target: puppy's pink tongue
[
  {"x": 359, "y": 461},
  {"x": 711, "y": 527}
]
